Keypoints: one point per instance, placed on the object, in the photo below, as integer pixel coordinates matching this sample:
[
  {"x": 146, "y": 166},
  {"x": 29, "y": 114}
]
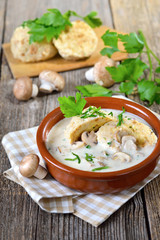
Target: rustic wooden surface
[{"x": 20, "y": 217}]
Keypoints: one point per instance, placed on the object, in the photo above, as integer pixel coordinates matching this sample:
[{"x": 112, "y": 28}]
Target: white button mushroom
[
  {"x": 29, "y": 167},
  {"x": 23, "y": 89},
  {"x": 50, "y": 81},
  {"x": 99, "y": 74}
]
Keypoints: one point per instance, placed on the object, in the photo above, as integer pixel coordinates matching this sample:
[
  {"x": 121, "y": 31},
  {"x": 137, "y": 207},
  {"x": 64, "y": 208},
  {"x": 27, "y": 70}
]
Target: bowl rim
[{"x": 100, "y": 175}]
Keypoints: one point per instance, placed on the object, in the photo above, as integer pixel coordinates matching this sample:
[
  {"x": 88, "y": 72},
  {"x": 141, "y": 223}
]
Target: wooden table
[{"x": 20, "y": 217}]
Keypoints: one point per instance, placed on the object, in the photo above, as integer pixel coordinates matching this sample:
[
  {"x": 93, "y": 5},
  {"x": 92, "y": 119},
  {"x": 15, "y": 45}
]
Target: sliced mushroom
[
  {"x": 89, "y": 138},
  {"x": 127, "y": 138},
  {"x": 24, "y": 89},
  {"x": 119, "y": 134},
  {"x": 77, "y": 145},
  {"x": 129, "y": 144},
  {"x": 123, "y": 157},
  {"x": 50, "y": 81}
]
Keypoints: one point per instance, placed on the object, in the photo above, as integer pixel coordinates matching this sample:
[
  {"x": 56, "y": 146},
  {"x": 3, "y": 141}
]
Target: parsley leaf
[
  {"x": 157, "y": 70},
  {"x": 94, "y": 90},
  {"x": 120, "y": 117},
  {"x": 147, "y": 90},
  {"x": 51, "y": 24},
  {"x": 70, "y": 106},
  {"x": 130, "y": 69},
  {"x": 133, "y": 43},
  {"x": 110, "y": 39},
  {"x": 126, "y": 87}
]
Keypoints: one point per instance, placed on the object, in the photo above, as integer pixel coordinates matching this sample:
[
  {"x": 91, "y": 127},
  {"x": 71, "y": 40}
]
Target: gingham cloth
[{"x": 52, "y": 196}]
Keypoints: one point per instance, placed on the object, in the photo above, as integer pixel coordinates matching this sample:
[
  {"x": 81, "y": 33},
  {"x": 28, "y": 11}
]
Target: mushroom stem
[
  {"x": 40, "y": 173},
  {"x": 34, "y": 90},
  {"x": 47, "y": 87},
  {"x": 89, "y": 75}
]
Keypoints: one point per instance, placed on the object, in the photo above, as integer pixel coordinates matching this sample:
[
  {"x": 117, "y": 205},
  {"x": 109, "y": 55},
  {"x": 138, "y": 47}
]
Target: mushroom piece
[
  {"x": 89, "y": 138},
  {"x": 29, "y": 166},
  {"x": 129, "y": 144},
  {"x": 123, "y": 157},
  {"x": 23, "y": 89},
  {"x": 119, "y": 134},
  {"x": 99, "y": 74},
  {"x": 50, "y": 81}
]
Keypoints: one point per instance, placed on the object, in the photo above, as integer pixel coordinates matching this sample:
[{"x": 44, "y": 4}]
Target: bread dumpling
[
  {"x": 79, "y": 125},
  {"x": 76, "y": 42},
  {"x": 22, "y": 50}
]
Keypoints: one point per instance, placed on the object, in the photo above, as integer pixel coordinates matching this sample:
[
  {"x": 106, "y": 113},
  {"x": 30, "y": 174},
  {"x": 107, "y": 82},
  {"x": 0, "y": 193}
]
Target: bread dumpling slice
[
  {"x": 142, "y": 132},
  {"x": 34, "y": 52},
  {"x": 78, "y": 125},
  {"x": 76, "y": 42}
]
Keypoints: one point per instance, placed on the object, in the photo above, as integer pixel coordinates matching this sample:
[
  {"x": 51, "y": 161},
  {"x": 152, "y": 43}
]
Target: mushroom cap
[
  {"x": 22, "y": 89},
  {"x": 29, "y": 165},
  {"x": 52, "y": 77},
  {"x": 101, "y": 75}
]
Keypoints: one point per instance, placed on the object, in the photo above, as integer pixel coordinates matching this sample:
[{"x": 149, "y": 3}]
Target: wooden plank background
[{"x": 20, "y": 217}]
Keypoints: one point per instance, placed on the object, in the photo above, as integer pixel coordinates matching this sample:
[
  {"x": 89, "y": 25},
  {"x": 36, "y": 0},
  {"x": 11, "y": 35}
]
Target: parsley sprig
[
  {"x": 130, "y": 72},
  {"x": 53, "y": 22},
  {"x": 70, "y": 106}
]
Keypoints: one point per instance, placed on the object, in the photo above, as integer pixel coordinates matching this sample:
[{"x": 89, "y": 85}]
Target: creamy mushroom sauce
[{"x": 60, "y": 148}]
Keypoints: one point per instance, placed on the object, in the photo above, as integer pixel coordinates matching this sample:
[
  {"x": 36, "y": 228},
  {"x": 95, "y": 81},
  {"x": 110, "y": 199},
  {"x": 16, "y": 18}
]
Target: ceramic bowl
[{"x": 100, "y": 182}]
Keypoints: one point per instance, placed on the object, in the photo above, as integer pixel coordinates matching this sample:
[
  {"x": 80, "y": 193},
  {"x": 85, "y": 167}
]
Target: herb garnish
[
  {"x": 130, "y": 72},
  {"x": 70, "y": 106},
  {"x": 74, "y": 159},
  {"x": 92, "y": 112},
  {"x": 120, "y": 117},
  {"x": 52, "y": 23},
  {"x": 89, "y": 157},
  {"x": 100, "y": 168},
  {"x": 111, "y": 113},
  {"x": 88, "y": 146},
  {"x": 94, "y": 90},
  {"x": 109, "y": 143}
]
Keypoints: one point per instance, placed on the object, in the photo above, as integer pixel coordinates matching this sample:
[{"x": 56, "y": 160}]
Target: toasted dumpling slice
[
  {"x": 78, "y": 124},
  {"x": 76, "y": 42},
  {"x": 143, "y": 133},
  {"x": 34, "y": 52}
]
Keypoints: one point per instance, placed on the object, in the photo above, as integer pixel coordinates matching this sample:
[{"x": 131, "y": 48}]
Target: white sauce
[{"x": 60, "y": 149}]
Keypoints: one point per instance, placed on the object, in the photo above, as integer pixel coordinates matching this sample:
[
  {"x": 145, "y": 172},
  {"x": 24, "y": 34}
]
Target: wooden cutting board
[{"x": 57, "y": 63}]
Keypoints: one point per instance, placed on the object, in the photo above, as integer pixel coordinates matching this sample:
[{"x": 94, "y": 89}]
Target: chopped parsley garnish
[
  {"x": 111, "y": 113},
  {"x": 129, "y": 118},
  {"x": 89, "y": 157},
  {"x": 109, "y": 143},
  {"x": 88, "y": 146},
  {"x": 92, "y": 112},
  {"x": 120, "y": 117},
  {"x": 106, "y": 154},
  {"x": 100, "y": 168},
  {"x": 74, "y": 159}
]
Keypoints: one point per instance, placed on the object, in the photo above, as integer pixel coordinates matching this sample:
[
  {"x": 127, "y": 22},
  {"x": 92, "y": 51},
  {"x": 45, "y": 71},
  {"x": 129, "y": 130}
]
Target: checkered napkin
[{"x": 52, "y": 196}]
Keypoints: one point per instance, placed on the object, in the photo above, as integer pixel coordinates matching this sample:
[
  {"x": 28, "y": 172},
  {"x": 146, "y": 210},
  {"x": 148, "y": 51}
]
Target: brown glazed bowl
[{"x": 96, "y": 182}]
